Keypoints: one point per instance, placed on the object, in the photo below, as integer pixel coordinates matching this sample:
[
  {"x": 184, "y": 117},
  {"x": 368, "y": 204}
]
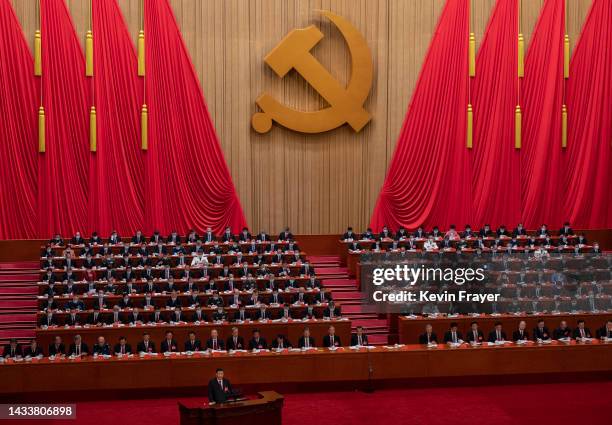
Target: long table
[
  {"x": 407, "y": 362},
  {"x": 409, "y": 329},
  {"x": 292, "y": 329}
]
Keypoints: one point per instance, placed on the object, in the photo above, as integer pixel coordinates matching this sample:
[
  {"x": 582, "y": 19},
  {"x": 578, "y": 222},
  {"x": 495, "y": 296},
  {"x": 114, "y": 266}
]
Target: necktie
[
  {"x": 235, "y": 342},
  {"x": 454, "y": 337},
  {"x": 146, "y": 345},
  {"x": 358, "y": 339},
  {"x": 123, "y": 349},
  {"x": 499, "y": 336},
  {"x": 332, "y": 341},
  {"x": 214, "y": 344},
  {"x": 582, "y": 333},
  {"x": 306, "y": 342},
  {"x": 521, "y": 334},
  {"x": 475, "y": 336},
  {"x": 78, "y": 350}
]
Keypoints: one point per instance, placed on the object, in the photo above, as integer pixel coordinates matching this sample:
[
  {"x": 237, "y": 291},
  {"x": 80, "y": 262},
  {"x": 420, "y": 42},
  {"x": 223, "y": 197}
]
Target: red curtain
[
  {"x": 496, "y": 173},
  {"x": 428, "y": 181},
  {"x": 587, "y": 185},
  {"x": 117, "y": 177},
  {"x": 18, "y": 135},
  {"x": 541, "y": 166},
  {"x": 188, "y": 182},
  {"x": 64, "y": 168}
]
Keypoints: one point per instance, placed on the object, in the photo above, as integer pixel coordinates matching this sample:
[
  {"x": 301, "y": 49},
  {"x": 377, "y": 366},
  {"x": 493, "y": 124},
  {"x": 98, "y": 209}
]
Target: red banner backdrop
[
  {"x": 18, "y": 135},
  {"x": 496, "y": 173},
  {"x": 541, "y": 168},
  {"x": 63, "y": 178},
  {"x": 587, "y": 185},
  {"x": 428, "y": 181},
  {"x": 188, "y": 181},
  {"x": 117, "y": 177}
]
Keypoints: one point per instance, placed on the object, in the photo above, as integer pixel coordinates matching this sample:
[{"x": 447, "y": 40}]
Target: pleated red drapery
[
  {"x": 18, "y": 135},
  {"x": 63, "y": 176},
  {"x": 496, "y": 173},
  {"x": 117, "y": 167},
  {"x": 188, "y": 182},
  {"x": 541, "y": 167},
  {"x": 587, "y": 185},
  {"x": 428, "y": 181}
]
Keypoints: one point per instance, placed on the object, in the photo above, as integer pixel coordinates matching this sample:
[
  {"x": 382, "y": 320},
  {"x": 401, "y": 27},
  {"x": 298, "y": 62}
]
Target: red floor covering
[{"x": 559, "y": 404}]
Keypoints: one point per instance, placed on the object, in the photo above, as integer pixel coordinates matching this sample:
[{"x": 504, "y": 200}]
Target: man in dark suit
[
  {"x": 285, "y": 235},
  {"x": 359, "y": 338},
  {"x": 257, "y": 342},
  {"x": 169, "y": 345},
  {"x": 475, "y": 335},
  {"x": 235, "y": 341},
  {"x": 453, "y": 335},
  {"x": 497, "y": 334},
  {"x": 429, "y": 336},
  {"x": 73, "y": 318},
  {"x": 349, "y": 235},
  {"x": 122, "y": 347},
  {"x": 214, "y": 342},
  {"x": 563, "y": 331},
  {"x": 306, "y": 341},
  {"x": 78, "y": 348},
  {"x": 521, "y": 333},
  {"x": 541, "y": 331},
  {"x": 193, "y": 344},
  {"x": 566, "y": 230},
  {"x": 581, "y": 332},
  {"x": 48, "y": 319},
  {"x": 280, "y": 343},
  {"x": 331, "y": 311},
  {"x": 219, "y": 388},
  {"x": 33, "y": 350},
  {"x": 146, "y": 345},
  {"x": 57, "y": 348},
  {"x": 605, "y": 331},
  {"x": 12, "y": 349},
  {"x": 331, "y": 339}
]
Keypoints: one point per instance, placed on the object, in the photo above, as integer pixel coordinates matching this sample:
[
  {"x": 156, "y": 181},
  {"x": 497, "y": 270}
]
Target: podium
[{"x": 267, "y": 409}]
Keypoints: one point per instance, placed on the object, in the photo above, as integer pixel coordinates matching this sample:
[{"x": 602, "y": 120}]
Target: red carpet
[{"x": 586, "y": 403}]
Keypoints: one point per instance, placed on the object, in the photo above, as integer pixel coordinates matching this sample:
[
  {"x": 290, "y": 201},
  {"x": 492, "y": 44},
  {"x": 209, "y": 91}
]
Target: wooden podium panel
[{"x": 265, "y": 410}]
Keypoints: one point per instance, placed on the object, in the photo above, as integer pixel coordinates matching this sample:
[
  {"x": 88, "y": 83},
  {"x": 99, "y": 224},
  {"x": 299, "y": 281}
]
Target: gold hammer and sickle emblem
[{"x": 346, "y": 104}]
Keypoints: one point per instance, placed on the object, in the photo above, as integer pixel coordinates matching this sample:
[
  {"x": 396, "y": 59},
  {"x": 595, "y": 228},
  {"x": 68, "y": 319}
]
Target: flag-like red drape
[
  {"x": 496, "y": 174},
  {"x": 117, "y": 168},
  {"x": 188, "y": 182},
  {"x": 587, "y": 185},
  {"x": 541, "y": 167},
  {"x": 428, "y": 181},
  {"x": 63, "y": 176},
  {"x": 18, "y": 135}
]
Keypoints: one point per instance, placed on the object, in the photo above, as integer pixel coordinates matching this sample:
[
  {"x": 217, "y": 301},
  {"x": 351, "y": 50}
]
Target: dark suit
[
  {"x": 432, "y": 338},
  {"x": 219, "y": 393},
  {"x": 220, "y": 344},
  {"x": 166, "y": 347},
  {"x": 142, "y": 348},
  {"x": 327, "y": 341},
  {"x": 449, "y": 338},
  {"x": 355, "y": 339},
  {"x": 260, "y": 344},
  {"x": 56, "y": 350},
  {"x": 127, "y": 349},
  {"x": 587, "y": 333},
  {"x": 37, "y": 351},
  {"x": 516, "y": 335},
  {"x": 470, "y": 336},
  {"x": 12, "y": 353},
  {"x": 541, "y": 334},
  {"x": 196, "y": 345},
  {"x": 73, "y": 349},
  {"x": 562, "y": 333},
  {"x": 493, "y": 336},
  {"x": 302, "y": 342},
  {"x": 238, "y": 345}
]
